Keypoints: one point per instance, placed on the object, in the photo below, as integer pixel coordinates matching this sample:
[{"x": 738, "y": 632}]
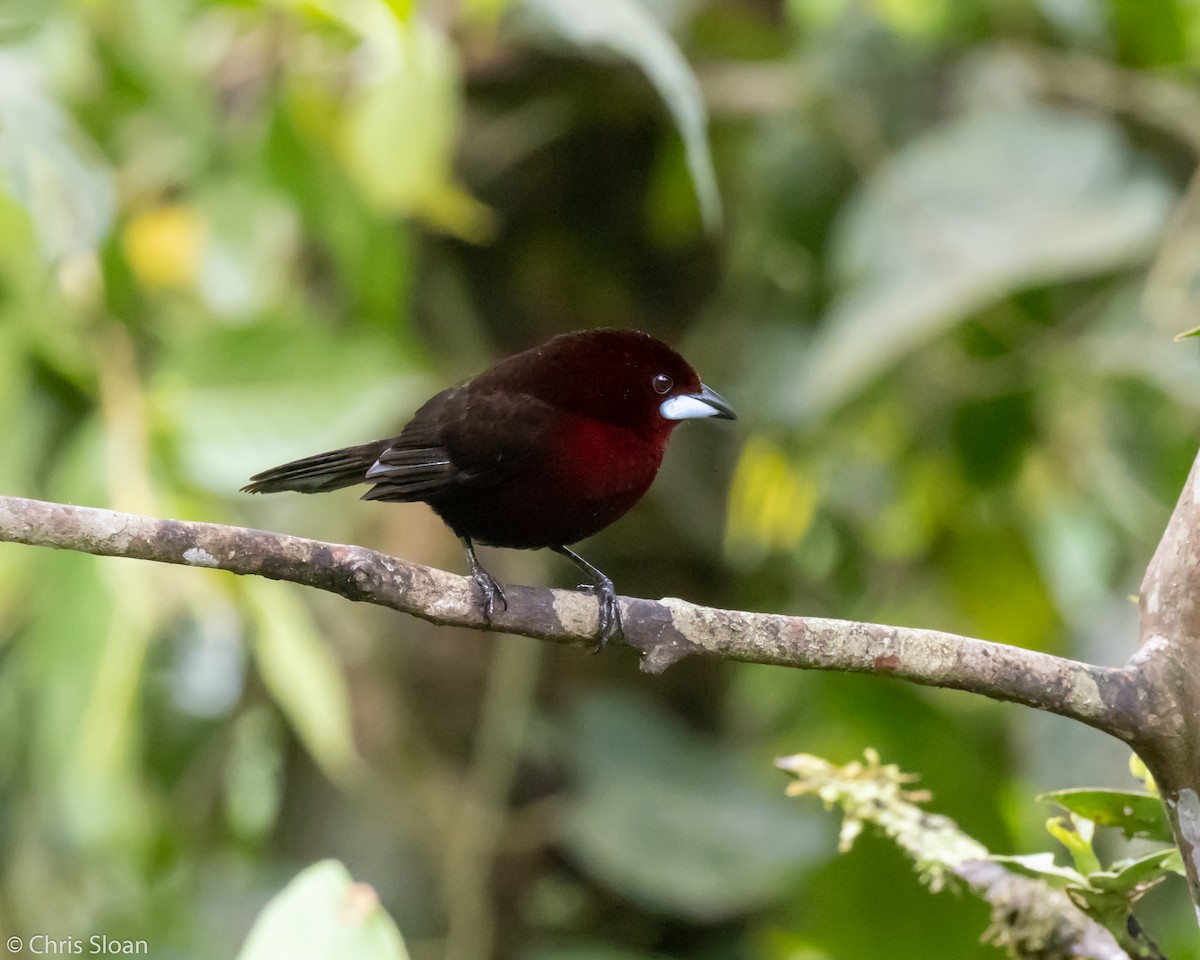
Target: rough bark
[
  {"x": 1152, "y": 703},
  {"x": 662, "y": 631},
  {"x": 1167, "y": 733}
]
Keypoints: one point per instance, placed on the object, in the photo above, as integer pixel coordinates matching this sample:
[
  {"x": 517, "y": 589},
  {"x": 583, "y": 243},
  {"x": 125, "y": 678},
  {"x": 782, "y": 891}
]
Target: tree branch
[
  {"x": 1168, "y": 740},
  {"x": 663, "y": 632}
]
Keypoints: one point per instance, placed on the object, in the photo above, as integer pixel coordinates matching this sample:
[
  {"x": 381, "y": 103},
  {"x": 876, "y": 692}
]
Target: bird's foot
[
  {"x": 610, "y": 626},
  {"x": 490, "y": 587}
]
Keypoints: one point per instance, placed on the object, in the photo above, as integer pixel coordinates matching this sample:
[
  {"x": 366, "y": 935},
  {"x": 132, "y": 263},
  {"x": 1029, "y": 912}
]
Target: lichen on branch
[{"x": 662, "y": 632}]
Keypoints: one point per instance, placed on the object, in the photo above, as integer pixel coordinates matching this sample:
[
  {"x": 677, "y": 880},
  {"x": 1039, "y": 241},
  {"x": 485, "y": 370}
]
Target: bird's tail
[{"x": 320, "y": 472}]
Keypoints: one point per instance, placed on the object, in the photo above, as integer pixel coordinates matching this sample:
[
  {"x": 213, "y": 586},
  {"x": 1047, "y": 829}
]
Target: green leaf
[
  {"x": 626, "y": 28},
  {"x": 80, "y": 663},
  {"x": 1171, "y": 293},
  {"x": 1149, "y": 33},
  {"x": 48, "y": 166},
  {"x": 254, "y": 773},
  {"x": 400, "y": 130},
  {"x": 1134, "y": 814},
  {"x": 324, "y": 914},
  {"x": 1133, "y": 877},
  {"x": 302, "y": 676},
  {"x": 246, "y": 260},
  {"x": 1077, "y": 553},
  {"x": 670, "y": 820},
  {"x": 989, "y": 204},
  {"x": 241, "y": 399},
  {"x": 1041, "y": 866}
]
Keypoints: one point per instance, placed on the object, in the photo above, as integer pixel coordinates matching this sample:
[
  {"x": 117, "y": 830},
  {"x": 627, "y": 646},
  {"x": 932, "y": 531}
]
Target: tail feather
[{"x": 320, "y": 472}]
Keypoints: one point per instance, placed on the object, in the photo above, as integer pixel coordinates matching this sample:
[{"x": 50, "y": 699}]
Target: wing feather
[{"x": 459, "y": 440}]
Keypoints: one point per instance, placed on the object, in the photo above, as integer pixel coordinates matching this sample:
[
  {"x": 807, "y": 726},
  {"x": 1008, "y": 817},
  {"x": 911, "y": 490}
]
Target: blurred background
[{"x": 933, "y": 251}]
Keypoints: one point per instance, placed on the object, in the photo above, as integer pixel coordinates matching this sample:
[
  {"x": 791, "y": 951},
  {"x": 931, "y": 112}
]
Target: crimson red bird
[{"x": 544, "y": 449}]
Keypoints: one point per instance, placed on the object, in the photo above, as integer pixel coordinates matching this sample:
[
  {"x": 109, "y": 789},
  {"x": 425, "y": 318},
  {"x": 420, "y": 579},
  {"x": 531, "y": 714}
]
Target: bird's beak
[{"x": 688, "y": 406}]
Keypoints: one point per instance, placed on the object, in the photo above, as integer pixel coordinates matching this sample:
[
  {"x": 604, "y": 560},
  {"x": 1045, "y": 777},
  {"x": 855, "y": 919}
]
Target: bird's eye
[{"x": 662, "y": 383}]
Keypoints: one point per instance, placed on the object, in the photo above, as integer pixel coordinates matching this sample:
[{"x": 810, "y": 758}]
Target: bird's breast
[
  {"x": 601, "y": 461},
  {"x": 584, "y": 477}
]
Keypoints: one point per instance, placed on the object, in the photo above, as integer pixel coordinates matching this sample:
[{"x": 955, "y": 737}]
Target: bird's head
[{"x": 622, "y": 377}]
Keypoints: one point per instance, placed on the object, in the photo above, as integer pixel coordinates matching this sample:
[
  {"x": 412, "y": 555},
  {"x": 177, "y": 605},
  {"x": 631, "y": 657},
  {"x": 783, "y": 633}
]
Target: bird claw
[
  {"x": 490, "y": 587},
  {"x": 610, "y": 626}
]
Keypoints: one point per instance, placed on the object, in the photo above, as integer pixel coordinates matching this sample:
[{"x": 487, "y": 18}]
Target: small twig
[{"x": 1029, "y": 917}]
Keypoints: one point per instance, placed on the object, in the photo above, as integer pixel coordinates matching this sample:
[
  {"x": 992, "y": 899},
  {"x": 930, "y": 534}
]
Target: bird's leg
[
  {"x": 488, "y": 585},
  {"x": 610, "y": 626}
]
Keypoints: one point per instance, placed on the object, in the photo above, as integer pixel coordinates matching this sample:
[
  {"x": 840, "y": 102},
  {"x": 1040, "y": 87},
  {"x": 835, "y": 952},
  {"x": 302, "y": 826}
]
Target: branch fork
[{"x": 1152, "y": 703}]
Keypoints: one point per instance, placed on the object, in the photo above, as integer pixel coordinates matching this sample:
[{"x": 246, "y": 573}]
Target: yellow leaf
[
  {"x": 163, "y": 246},
  {"x": 771, "y": 500},
  {"x": 1141, "y": 772},
  {"x": 399, "y": 131},
  {"x": 1075, "y": 833},
  {"x": 913, "y": 16}
]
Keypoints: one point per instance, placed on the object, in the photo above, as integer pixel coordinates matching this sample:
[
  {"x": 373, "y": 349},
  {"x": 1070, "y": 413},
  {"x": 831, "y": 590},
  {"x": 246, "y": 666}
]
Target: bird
[{"x": 540, "y": 451}]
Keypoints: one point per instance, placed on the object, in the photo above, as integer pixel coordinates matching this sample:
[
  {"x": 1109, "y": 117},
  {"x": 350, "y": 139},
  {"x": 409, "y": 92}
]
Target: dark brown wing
[{"x": 461, "y": 440}]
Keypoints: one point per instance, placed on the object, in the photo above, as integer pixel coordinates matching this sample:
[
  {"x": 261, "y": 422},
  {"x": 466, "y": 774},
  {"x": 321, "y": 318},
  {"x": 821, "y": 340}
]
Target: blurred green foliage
[
  {"x": 232, "y": 233},
  {"x": 323, "y": 913}
]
